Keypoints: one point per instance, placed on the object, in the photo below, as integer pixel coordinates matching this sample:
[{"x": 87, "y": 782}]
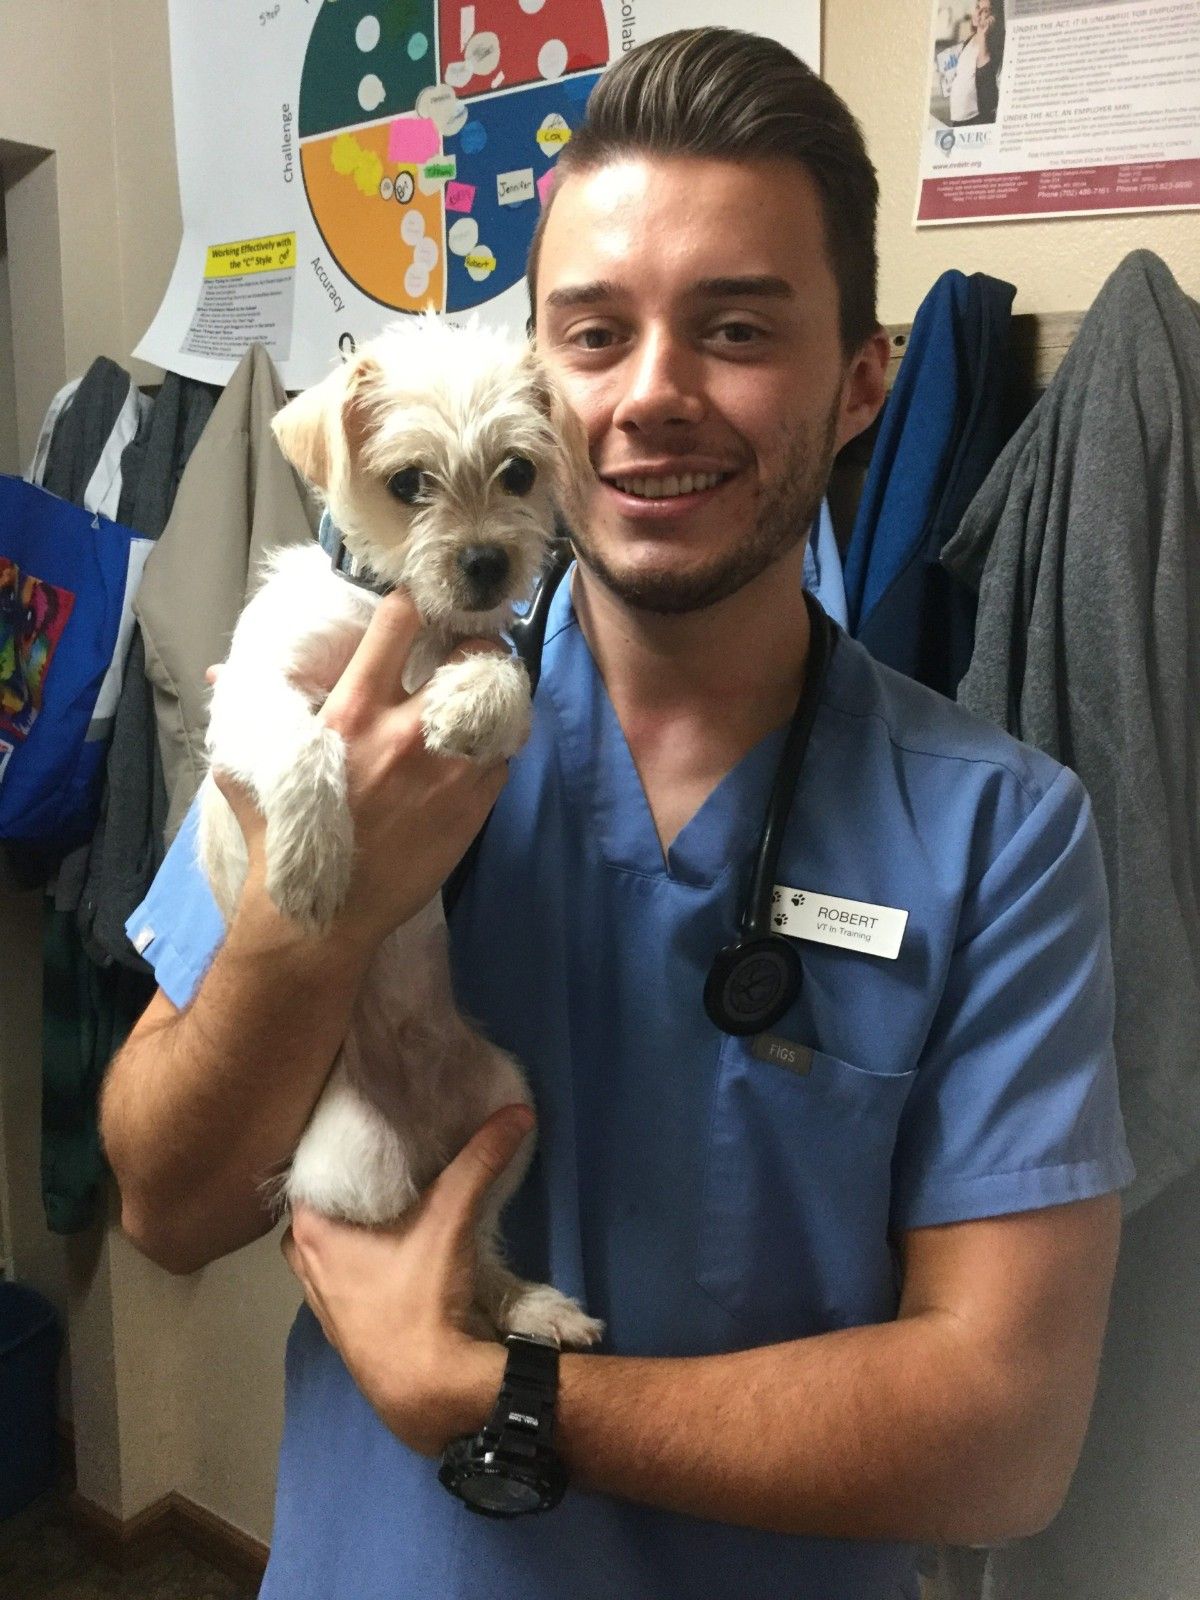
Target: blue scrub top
[{"x": 697, "y": 1198}]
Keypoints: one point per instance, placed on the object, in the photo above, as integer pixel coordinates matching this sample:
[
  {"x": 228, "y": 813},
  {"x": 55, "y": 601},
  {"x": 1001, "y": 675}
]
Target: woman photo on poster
[{"x": 968, "y": 74}]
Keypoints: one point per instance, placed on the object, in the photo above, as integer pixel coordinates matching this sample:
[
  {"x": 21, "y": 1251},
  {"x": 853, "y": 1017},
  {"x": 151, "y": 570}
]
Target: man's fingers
[
  {"x": 375, "y": 675},
  {"x": 457, "y": 1194},
  {"x": 241, "y": 802},
  {"x": 291, "y": 1254}
]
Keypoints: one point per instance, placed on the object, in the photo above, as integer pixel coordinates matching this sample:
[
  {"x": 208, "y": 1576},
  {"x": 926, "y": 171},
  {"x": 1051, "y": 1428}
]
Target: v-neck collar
[{"x": 721, "y": 834}]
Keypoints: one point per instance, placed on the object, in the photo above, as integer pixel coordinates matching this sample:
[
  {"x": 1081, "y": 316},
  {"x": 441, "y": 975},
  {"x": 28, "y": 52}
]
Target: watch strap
[{"x": 523, "y": 1416}]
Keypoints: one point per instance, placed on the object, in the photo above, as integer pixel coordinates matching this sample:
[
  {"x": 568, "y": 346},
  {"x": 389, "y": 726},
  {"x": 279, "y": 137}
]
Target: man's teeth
[{"x": 665, "y": 488}]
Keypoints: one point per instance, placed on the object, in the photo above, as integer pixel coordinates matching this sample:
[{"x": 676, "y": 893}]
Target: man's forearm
[
  {"x": 202, "y": 1110},
  {"x": 896, "y": 1431}
]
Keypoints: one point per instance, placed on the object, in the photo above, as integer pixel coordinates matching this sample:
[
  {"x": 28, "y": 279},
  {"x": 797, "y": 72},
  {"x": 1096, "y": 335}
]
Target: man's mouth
[{"x": 668, "y": 488}]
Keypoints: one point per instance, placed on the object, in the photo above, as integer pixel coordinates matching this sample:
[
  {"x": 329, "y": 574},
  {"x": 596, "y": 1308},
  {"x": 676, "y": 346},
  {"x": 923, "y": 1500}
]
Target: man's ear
[
  {"x": 864, "y": 387},
  {"x": 324, "y": 428}
]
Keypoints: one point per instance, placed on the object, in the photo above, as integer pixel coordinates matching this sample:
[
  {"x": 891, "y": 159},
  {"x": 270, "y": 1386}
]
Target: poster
[
  {"x": 344, "y": 161},
  {"x": 1048, "y": 108}
]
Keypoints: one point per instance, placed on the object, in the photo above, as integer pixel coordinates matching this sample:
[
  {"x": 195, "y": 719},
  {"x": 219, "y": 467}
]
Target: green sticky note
[{"x": 441, "y": 170}]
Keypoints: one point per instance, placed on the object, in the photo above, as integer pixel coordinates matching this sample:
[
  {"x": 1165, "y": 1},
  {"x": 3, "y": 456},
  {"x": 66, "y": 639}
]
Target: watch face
[{"x": 489, "y": 1492}]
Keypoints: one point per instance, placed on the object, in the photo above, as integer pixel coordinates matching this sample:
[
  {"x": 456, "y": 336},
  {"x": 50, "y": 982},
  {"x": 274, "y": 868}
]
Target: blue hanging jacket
[{"x": 943, "y": 426}]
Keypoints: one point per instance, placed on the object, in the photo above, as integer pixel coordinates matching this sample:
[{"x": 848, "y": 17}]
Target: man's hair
[{"x": 732, "y": 96}]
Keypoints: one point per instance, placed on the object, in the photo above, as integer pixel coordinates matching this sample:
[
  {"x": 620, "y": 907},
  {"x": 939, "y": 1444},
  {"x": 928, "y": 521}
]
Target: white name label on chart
[{"x": 853, "y": 924}]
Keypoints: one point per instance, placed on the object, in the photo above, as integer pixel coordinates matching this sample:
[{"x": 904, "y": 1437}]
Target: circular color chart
[{"x": 429, "y": 133}]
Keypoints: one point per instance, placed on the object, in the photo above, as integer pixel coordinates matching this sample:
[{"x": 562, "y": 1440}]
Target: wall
[
  {"x": 10, "y": 460},
  {"x": 174, "y": 1384},
  {"x": 177, "y": 1383}
]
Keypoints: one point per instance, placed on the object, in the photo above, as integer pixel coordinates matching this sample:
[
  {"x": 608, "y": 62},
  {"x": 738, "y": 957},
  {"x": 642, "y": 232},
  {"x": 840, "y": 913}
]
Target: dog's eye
[
  {"x": 518, "y": 475},
  {"x": 407, "y": 484}
]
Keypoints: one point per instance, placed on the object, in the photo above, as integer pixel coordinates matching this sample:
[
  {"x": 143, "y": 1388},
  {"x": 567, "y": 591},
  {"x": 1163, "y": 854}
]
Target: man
[{"x": 852, "y": 1304}]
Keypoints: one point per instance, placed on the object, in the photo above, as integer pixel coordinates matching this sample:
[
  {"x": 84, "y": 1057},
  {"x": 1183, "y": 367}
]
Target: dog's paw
[
  {"x": 549, "y": 1314},
  {"x": 478, "y": 708}
]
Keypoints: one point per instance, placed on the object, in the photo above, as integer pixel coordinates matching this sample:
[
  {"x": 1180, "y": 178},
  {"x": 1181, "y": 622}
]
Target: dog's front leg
[
  {"x": 265, "y": 736},
  {"x": 510, "y": 1304},
  {"x": 477, "y": 708}
]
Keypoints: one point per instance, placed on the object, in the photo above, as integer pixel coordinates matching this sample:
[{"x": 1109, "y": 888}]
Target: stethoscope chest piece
[
  {"x": 754, "y": 980},
  {"x": 751, "y": 983}
]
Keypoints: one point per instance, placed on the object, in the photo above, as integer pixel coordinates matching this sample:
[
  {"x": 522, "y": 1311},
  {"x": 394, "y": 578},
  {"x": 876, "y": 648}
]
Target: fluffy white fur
[{"x": 413, "y": 1080}]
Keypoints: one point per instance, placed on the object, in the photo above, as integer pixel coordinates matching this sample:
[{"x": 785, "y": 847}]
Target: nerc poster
[
  {"x": 1042, "y": 108},
  {"x": 344, "y": 161}
]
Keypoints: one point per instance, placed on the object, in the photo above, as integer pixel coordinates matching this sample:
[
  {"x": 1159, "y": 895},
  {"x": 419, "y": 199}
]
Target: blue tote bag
[{"x": 67, "y": 580}]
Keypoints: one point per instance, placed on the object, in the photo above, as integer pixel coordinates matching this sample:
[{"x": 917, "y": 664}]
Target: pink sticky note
[
  {"x": 460, "y": 196},
  {"x": 544, "y": 185},
  {"x": 412, "y": 140}
]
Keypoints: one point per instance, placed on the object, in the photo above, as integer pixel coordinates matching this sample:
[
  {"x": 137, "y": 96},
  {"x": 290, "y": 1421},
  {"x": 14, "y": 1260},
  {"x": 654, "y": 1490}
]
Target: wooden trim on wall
[
  {"x": 231, "y": 1549},
  {"x": 123, "y": 1545},
  {"x": 1039, "y": 341}
]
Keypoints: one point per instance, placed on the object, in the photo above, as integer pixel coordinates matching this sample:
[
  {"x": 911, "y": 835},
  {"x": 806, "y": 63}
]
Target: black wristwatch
[{"x": 509, "y": 1468}]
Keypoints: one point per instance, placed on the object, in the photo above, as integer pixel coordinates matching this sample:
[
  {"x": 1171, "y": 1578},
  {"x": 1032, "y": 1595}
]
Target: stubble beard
[{"x": 785, "y": 514}]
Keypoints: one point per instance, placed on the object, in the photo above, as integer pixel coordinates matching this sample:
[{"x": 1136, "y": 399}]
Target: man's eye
[
  {"x": 738, "y": 332},
  {"x": 594, "y": 338}
]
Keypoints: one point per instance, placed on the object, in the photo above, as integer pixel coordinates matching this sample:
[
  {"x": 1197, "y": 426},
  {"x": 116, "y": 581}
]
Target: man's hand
[{"x": 394, "y": 1301}]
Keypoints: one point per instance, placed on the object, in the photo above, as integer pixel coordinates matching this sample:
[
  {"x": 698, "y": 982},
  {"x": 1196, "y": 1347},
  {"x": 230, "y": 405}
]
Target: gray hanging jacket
[
  {"x": 237, "y": 499},
  {"x": 1084, "y": 545}
]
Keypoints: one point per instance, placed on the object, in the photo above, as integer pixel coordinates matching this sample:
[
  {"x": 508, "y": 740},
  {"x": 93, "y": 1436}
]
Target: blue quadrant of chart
[{"x": 508, "y": 156}]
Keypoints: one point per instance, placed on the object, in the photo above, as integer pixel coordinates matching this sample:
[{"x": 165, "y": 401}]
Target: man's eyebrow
[
  {"x": 752, "y": 286},
  {"x": 583, "y": 294},
  {"x": 761, "y": 286}
]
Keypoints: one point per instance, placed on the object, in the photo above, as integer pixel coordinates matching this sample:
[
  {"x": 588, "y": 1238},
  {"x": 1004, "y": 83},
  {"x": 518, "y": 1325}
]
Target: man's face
[{"x": 690, "y": 312}]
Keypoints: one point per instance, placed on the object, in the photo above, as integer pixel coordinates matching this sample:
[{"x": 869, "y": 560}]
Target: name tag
[{"x": 850, "y": 924}]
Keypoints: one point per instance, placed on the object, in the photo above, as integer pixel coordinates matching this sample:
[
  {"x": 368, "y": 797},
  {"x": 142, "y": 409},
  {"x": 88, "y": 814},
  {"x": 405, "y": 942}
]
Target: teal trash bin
[{"x": 30, "y": 1340}]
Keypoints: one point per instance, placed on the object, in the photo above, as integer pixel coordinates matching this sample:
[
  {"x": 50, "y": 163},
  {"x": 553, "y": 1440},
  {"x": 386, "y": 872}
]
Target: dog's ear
[
  {"x": 364, "y": 389},
  {"x": 302, "y": 428},
  {"x": 324, "y": 425},
  {"x": 574, "y": 466}
]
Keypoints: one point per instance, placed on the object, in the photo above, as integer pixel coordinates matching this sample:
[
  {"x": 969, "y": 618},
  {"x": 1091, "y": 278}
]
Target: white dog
[{"x": 437, "y": 451}]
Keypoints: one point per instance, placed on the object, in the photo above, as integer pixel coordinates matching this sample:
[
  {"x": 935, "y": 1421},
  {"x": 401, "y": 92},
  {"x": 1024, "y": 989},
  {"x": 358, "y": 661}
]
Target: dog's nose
[{"x": 485, "y": 567}]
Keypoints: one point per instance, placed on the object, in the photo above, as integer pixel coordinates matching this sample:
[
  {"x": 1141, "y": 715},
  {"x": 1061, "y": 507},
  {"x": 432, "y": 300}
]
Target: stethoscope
[{"x": 754, "y": 980}]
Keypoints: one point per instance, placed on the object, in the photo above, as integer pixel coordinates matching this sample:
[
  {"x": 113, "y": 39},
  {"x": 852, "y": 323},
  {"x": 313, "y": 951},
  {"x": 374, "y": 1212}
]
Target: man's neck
[
  {"x": 695, "y": 693},
  {"x": 741, "y": 659}
]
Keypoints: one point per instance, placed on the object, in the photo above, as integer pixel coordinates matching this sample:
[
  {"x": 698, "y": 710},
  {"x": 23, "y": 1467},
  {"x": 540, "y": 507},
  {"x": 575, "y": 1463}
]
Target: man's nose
[{"x": 665, "y": 384}]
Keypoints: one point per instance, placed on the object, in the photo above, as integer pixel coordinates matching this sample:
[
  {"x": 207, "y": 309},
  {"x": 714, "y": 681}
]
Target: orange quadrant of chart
[{"x": 381, "y": 219}]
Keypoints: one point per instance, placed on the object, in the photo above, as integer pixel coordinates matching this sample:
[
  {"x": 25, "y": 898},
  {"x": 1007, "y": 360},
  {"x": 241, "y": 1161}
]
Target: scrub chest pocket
[{"x": 794, "y": 1216}]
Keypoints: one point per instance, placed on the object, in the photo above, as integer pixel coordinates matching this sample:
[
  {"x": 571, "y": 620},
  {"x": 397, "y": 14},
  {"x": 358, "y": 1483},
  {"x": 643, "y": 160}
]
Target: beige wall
[
  {"x": 10, "y": 458},
  {"x": 177, "y": 1384},
  {"x": 88, "y": 80}
]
